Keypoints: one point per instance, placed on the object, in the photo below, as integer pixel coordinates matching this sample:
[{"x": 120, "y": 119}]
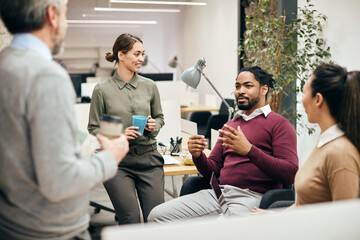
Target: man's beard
[
  {"x": 59, "y": 41},
  {"x": 250, "y": 104},
  {"x": 59, "y": 45}
]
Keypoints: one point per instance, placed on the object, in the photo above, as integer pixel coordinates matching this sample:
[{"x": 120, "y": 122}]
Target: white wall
[
  {"x": 162, "y": 41},
  {"x": 212, "y": 32},
  {"x": 342, "y": 34},
  {"x": 342, "y": 30},
  {"x": 209, "y": 31}
]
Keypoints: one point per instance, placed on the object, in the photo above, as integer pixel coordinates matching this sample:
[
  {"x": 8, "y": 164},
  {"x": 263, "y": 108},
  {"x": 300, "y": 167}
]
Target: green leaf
[{"x": 288, "y": 52}]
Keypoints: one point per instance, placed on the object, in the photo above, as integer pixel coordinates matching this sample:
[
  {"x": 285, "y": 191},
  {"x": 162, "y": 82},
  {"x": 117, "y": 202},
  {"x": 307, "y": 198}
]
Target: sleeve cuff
[
  {"x": 199, "y": 158},
  {"x": 253, "y": 153}
]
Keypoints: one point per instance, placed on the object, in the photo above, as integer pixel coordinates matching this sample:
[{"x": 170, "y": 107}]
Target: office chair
[
  {"x": 206, "y": 121},
  {"x": 98, "y": 207},
  {"x": 201, "y": 118},
  {"x": 274, "y": 198},
  {"x": 277, "y": 198},
  {"x": 215, "y": 122},
  {"x": 223, "y": 109}
]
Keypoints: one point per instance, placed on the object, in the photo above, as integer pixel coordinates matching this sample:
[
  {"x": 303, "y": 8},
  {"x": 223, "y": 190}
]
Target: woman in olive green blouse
[{"x": 140, "y": 175}]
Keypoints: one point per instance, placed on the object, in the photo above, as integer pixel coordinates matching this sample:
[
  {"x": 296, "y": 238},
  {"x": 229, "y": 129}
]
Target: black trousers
[{"x": 131, "y": 184}]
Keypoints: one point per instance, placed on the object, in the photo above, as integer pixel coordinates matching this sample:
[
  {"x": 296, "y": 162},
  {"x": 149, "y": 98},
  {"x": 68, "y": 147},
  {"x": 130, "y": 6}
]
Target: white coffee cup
[{"x": 111, "y": 126}]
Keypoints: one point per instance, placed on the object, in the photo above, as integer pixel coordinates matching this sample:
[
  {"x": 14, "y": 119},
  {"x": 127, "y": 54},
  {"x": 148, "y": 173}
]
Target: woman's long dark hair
[{"x": 341, "y": 91}]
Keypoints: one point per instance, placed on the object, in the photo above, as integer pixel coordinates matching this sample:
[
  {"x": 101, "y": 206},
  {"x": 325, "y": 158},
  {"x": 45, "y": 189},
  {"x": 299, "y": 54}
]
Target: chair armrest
[
  {"x": 194, "y": 184},
  {"x": 281, "y": 204},
  {"x": 274, "y": 195}
]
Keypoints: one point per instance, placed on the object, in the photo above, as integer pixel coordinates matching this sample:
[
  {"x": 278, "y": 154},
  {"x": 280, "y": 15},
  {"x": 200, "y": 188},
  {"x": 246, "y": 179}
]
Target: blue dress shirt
[{"x": 31, "y": 42}]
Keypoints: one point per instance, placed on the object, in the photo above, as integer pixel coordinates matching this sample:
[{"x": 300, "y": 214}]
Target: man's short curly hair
[{"x": 261, "y": 76}]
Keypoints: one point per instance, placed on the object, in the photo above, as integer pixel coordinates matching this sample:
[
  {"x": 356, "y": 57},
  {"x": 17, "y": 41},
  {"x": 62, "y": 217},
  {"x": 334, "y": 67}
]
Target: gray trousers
[
  {"x": 204, "y": 203},
  {"x": 132, "y": 186}
]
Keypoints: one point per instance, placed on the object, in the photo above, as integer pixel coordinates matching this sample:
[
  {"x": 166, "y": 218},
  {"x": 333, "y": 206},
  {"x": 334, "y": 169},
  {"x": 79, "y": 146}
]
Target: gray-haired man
[{"x": 43, "y": 182}]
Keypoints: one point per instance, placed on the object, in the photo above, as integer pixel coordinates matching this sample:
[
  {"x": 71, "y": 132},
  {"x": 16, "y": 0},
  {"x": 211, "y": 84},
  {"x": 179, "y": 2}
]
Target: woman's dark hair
[
  {"x": 123, "y": 43},
  {"x": 341, "y": 91},
  {"x": 261, "y": 76}
]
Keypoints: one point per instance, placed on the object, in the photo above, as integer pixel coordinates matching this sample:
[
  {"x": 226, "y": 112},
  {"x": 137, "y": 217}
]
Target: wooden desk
[
  {"x": 197, "y": 108},
  {"x": 176, "y": 170},
  {"x": 180, "y": 169}
]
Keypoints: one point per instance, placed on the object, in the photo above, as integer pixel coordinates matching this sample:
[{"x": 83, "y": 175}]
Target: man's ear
[
  {"x": 264, "y": 89},
  {"x": 52, "y": 16}
]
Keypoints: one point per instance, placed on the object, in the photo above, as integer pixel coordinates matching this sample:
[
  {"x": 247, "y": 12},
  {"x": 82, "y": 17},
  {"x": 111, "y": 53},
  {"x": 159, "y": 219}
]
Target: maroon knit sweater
[{"x": 271, "y": 163}]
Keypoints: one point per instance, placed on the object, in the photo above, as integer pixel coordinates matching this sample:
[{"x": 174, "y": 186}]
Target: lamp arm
[
  {"x": 154, "y": 66},
  {"x": 230, "y": 109}
]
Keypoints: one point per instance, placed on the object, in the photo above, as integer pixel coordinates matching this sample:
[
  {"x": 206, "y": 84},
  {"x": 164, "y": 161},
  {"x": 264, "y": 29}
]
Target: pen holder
[{"x": 175, "y": 149}]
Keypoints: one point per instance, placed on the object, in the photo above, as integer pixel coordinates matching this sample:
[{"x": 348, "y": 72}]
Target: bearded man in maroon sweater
[{"x": 255, "y": 152}]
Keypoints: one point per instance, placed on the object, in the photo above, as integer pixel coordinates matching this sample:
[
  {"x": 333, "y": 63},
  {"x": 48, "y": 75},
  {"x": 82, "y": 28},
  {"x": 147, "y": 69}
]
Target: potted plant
[{"x": 287, "y": 51}]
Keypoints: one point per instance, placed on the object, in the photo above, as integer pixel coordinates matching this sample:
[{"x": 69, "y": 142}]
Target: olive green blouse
[{"x": 138, "y": 97}]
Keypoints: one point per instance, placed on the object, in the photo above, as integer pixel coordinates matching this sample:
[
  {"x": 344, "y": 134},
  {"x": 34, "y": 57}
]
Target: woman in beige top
[{"x": 332, "y": 100}]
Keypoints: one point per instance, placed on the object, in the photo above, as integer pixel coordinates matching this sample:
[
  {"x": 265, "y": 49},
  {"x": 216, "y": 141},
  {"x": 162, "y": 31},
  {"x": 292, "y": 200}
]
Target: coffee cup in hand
[{"x": 111, "y": 126}]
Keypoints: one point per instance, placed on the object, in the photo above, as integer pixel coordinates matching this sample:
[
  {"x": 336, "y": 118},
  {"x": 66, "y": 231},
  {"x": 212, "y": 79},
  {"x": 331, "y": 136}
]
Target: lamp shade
[
  {"x": 192, "y": 76},
  {"x": 144, "y": 63},
  {"x": 173, "y": 63}
]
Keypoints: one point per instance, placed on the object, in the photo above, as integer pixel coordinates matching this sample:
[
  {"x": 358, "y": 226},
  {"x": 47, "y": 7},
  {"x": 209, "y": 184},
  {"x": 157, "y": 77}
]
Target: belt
[{"x": 141, "y": 149}]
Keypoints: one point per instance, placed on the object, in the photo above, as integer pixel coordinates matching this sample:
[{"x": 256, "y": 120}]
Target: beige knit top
[{"x": 331, "y": 173}]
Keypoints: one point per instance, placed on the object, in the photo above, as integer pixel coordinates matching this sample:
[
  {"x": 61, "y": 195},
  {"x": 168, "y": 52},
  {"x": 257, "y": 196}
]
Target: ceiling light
[
  {"x": 103, "y": 26},
  {"x": 85, "y": 15},
  {"x": 160, "y": 2},
  {"x": 110, "y": 22},
  {"x": 99, "y": 9}
]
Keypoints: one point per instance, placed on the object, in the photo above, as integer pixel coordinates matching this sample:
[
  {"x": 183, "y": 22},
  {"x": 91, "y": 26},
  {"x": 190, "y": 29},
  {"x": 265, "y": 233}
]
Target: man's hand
[
  {"x": 117, "y": 146},
  {"x": 151, "y": 123},
  {"x": 235, "y": 140},
  {"x": 131, "y": 133},
  {"x": 197, "y": 145}
]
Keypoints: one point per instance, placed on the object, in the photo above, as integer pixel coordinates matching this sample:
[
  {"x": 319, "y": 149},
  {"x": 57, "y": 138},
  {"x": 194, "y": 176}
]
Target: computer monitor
[
  {"x": 155, "y": 76},
  {"x": 158, "y": 76},
  {"x": 77, "y": 79}
]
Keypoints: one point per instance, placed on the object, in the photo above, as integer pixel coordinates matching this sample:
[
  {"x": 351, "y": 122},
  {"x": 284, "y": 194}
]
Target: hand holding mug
[
  {"x": 132, "y": 132},
  {"x": 151, "y": 123}
]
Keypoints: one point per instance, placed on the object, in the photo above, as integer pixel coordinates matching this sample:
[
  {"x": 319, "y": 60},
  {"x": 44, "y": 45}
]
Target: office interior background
[{"x": 189, "y": 33}]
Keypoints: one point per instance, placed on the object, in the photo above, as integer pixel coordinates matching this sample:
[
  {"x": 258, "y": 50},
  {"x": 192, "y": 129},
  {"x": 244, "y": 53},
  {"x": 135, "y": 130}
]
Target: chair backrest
[
  {"x": 215, "y": 122},
  {"x": 223, "y": 109},
  {"x": 270, "y": 197},
  {"x": 200, "y": 117}
]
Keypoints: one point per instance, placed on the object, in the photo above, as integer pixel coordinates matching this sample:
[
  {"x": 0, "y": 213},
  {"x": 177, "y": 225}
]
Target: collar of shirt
[
  {"x": 121, "y": 83},
  {"x": 263, "y": 110},
  {"x": 330, "y": 134},
  {"x": 31, "y": 42}
]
